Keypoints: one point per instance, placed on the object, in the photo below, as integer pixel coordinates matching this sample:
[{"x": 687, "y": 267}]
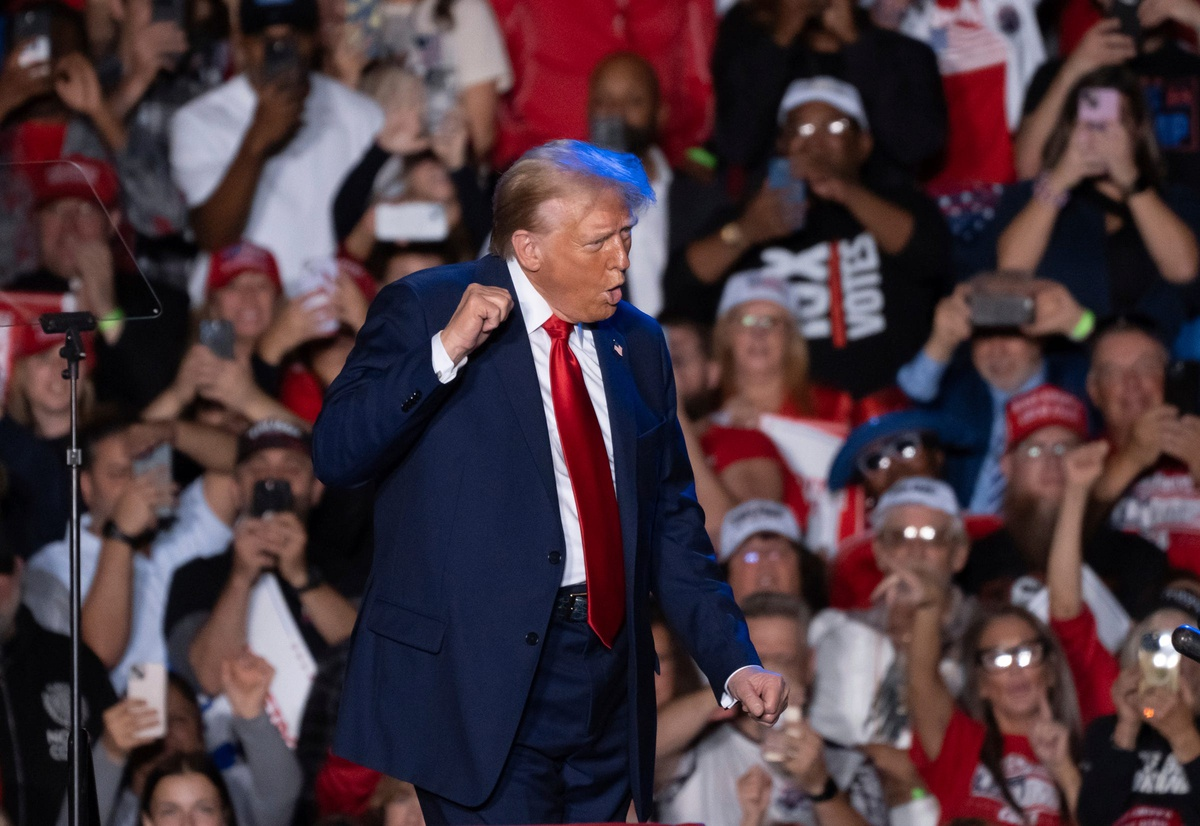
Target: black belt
[{"x": 571, "y": 604}]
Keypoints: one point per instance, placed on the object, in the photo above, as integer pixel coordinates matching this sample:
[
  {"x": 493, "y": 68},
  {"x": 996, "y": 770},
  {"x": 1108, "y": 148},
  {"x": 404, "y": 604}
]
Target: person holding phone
[
  {"x": 1100, "y": 218},
  {"x": 262, "y": 156}
]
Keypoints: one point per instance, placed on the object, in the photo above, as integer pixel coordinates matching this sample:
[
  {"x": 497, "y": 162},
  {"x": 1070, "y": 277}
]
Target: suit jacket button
[
  {"x": 410, "y": 401},
  {"x": 531, "y": 638},
  {"x": 555, "y": 557}
]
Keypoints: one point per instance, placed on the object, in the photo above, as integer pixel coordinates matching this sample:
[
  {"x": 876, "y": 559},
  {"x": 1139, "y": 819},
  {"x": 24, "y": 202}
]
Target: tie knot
[{"x": 558, "y": 329}]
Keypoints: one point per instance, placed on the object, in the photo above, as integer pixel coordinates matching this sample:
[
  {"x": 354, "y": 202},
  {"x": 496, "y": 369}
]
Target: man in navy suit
[{"x": 533, "y": 491}]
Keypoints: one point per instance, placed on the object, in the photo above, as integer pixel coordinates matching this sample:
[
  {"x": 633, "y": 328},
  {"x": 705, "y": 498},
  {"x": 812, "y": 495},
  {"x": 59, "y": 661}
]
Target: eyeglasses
[
  {"x": 923, "y": 534},
  {"x": 903, "y": 447},
  {"x": 834, "y": 127},
  {"x": 1025, "y": 655},
  {"x": 752, "y": 321},
  {"x": 1036, "y": 451}
]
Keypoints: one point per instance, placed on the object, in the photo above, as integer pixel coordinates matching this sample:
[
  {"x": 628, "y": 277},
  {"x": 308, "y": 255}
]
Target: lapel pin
[{"x": 619, "y": 350}]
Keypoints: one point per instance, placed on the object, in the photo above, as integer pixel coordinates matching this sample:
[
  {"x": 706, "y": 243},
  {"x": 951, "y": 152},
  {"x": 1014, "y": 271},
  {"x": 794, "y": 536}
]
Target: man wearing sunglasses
[
  {"x": 867, "y": 263},
  {"x": 918, "y": 528}
]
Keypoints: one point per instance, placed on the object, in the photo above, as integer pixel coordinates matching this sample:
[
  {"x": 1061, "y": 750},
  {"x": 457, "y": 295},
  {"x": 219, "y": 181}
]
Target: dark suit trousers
[{"x": 570, "y": 760}]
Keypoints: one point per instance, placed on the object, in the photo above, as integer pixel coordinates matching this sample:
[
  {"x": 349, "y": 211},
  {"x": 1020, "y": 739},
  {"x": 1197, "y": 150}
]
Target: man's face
[
  {"x": 888, "y": 459},
  {"x": 765, "y": 562},
  {"x": 1035, "y": 466},
  {"x": 1127, "y": 377},
  {"x": 256, "y": 46},
  {"x": 691, "y": 364},
  {"x": 1006, "y": 361},
  {"x": 286, "y": 464},
  {"x": 921, "y": 539},
  {"x": 821, "y": 141},
  {"x": 63, "y": 226},
  {"x": 621, "y": 89},
  {"x": 248, "y": 302},
  {"x": 781, "y": 647},
  {"x": 110, "y": 473},
  {"x": 582, "y": 256}
]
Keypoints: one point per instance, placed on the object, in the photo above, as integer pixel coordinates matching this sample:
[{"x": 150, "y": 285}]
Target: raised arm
[{"x": 1064, "y": 570}]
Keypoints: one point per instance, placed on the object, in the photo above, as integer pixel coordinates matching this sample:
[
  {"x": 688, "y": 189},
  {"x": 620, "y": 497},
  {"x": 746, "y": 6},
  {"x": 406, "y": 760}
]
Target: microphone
[{"x": 1186, "y": 640}]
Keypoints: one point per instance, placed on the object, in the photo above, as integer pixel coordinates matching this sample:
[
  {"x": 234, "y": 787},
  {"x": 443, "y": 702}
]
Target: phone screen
[
  {"x": 148, "y": 682},
  {"x": 1099, "y": 106}
]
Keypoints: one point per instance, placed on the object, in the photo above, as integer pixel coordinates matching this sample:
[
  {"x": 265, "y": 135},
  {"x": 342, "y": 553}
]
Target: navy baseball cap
[
  {"x": 256, "y": 16},
  {"x": 844, "y": 470}
]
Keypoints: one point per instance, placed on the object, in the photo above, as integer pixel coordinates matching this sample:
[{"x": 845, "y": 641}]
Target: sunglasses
[
  {"x": 834, "y": 127},
  {"x": 1057, "y": 450},
  {"x": 1025, "y": 655},
  {"x": 924, "y": 534},
  {"x": 751, "y": 321},
  {"x": 903, "y": 447}
]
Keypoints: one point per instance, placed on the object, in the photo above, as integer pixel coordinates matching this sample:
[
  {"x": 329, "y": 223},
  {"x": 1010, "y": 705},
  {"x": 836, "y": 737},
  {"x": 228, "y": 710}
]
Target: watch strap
[{"x": 828, "y": 793}]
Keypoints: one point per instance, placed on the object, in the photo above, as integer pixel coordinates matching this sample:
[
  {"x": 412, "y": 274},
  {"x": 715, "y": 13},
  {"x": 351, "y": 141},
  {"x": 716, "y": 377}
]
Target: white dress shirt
[{"x": 536, "y": 311}]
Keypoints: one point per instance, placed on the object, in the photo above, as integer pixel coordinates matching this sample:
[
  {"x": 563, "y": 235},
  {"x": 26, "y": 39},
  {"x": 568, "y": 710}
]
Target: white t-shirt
[
  {"x": 292, "y": 214},
  {"x": 648, "y": 256}
]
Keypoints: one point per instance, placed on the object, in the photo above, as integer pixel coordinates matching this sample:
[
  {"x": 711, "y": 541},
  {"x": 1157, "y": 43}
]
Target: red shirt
[
  {"x": 724, "y": 446},
  {"x": 965, "y": 788}
]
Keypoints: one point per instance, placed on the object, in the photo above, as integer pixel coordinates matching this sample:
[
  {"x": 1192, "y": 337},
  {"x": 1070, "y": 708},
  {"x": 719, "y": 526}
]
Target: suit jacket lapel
[
  {"x": 508, "y": 351},
  {"x": 621, "y": 393}
]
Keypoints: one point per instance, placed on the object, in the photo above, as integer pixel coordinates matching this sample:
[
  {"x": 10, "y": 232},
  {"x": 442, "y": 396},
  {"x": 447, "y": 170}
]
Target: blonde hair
[{"x": 795, "y": 363}]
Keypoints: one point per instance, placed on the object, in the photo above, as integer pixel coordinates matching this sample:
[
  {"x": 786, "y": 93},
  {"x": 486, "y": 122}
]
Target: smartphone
[
  {"x": 272, "y": 496},
  {"x": 793, "y": 192},
  {"x": 775, "y": 746},
  {"x": 1158, "y": 661},
  {"x": 608, "y": 132},
  {"x": 217, "y": 335},
  {"x": 31, "y": 30},
  {"x": 1099, "y": 106},
  {"x": 990, "y": 309},
  {"x": 1126, "y": 13},
  {"x": 157, "y": 462},
  {"x": 281, "y": 60},
  {"x": 148, "y": 682},
  {"x": 411, "y": 221},
  {"x": 1182, "y": 387}
]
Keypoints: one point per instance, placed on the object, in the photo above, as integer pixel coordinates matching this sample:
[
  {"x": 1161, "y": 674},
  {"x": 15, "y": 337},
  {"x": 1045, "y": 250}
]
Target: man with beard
[{"x": 1043, "y": 425}]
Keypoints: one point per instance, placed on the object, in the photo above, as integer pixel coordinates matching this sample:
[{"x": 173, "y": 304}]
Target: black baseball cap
[{"x": 256, "y": 16}]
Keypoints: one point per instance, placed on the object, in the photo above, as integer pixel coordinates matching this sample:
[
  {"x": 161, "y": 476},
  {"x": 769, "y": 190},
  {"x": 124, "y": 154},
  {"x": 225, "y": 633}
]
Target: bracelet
[
  {"x": 1140, "y": 184},
  {"x": 1084, "y": 327},
  {"x": 313, "y": 581},
  {"x": 1043, "y": 193},
  {"x": 111, "y": 320},
  {"x": 828, "y": 793}
]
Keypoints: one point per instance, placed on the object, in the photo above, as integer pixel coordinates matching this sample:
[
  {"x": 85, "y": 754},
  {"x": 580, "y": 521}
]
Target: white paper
[{"x": 273, "y": 635}]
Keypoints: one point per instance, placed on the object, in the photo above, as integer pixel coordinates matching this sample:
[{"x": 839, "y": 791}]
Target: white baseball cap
[
  {"x": 756, "y": 516},
  {"x": 839, "y": 94},
  {"x": 917, "y": 490},
  {"x": 753, "y": 285}
]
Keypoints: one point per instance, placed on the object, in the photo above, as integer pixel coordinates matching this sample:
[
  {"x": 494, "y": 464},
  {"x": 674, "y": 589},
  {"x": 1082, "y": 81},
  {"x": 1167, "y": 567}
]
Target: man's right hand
[
  {"x": 1146, "y": 442},
  {"x": 20, "y": 84},
  {"x": 951, "y": 325},
  {"x": 137, "y": 509},
  {"x": 277, "y": 117},
  {"x": 1103, "y": 45},
  {"x": 481, "y": 310},
  {"x": 250, "y": 554}
]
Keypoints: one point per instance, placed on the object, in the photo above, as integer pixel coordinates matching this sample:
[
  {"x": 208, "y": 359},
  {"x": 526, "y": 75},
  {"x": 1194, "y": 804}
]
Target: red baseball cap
[
  {"x": 78, "y": 176},
  {"x": 1044, "y": 406},
  {"x": 228, "y": 263}
]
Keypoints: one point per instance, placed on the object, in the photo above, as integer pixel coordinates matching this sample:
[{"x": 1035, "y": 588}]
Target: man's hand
[
  {"x": 1146, "y": 441},
  {"x": 451, "y": 139},
  {"x": 1181, "y": 440},
  {"x": 77, "y": 85},
  {"x": 20, "y": 84},
  {"x": 250, "y": 554},
  {"x": 1083, "y": 465},
  {"x": 137, "y": 509},
  {"x": 951, "y": 324},
  {"x": 1055, "y": 310},
  {"x": 94, "y": 266},
  {"x": 402, "y": 132},
  {"x": 754, "y": 795},
  {"x": 763, "y": 218},
  {"x": 297, "y": 322},
  {"x": 123, "y": 724},
  {"x": 245, "y": 682},
  {"x": 806, "y": 757},
  {"x": 763, "y": 694},
  {"x": 481, "y": 310},
  {"x": 349, "y": 302},
  {"x": 1153, "y": 13},
  {"x": 287, "y": 540},
  {"x": 277, "y": 117}
]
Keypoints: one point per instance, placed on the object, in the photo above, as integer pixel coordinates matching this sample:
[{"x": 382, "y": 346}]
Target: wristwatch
[
  {"x": 1140, "y": 184},
  {"x": 315, "y": 579},
  {"x": 111, "y": 531},
  {"x": 828, "y": 793}
]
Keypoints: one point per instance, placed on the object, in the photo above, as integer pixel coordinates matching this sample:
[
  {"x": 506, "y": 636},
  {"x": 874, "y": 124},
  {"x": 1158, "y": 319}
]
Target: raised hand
[
  {"x": 951, "y": 324},
  {"x": 278, "y": 116},
  {"x": 754, "y": 795},
  {"x": 481, "y": 310},
  {"x": 124, "y": 723},
  {"x": 1055, "y": 310},
  {"x": 1083, "y": 465},
  {"x": 763, "y": 694},
  {"x": 245, "y": 682},
  {"x": 1050, "y": 740},
  {"x": 77, "y": 85}
]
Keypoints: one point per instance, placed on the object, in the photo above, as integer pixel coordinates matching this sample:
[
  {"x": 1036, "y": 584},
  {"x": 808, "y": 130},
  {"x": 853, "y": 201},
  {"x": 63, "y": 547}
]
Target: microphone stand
[{"x": 72, "y": 326}]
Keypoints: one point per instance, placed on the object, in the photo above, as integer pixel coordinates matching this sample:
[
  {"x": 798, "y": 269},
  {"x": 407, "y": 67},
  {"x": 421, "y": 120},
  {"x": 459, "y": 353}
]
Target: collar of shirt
[{"x": 534, "y": 308}]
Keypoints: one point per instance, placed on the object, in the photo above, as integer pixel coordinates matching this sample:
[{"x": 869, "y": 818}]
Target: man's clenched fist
[{"x": 481, "y": 310}]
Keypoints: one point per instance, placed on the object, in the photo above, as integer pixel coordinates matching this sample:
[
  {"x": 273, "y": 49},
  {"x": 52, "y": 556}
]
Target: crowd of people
[{"x": 928, "y": 276}]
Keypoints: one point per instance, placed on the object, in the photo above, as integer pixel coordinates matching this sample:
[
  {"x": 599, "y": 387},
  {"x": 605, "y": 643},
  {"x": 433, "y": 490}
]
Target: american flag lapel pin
[{"x": 619, "y": 350}]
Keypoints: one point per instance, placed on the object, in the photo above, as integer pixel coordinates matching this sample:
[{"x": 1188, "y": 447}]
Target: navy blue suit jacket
[{"x": 469, "y": 540}]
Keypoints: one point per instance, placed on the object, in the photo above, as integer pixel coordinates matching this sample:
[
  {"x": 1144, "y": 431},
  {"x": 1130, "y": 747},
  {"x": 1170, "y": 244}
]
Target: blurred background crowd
[{"x": 928, "y": 274}]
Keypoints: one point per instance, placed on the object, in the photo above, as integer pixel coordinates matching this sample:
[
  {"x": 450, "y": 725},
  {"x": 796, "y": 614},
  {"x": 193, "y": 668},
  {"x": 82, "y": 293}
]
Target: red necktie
[{"x": 595, "y": 498}]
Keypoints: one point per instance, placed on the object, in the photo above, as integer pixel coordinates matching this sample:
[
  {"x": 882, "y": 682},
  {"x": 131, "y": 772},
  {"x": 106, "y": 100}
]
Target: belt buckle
[{"x": 576, "y": 604}]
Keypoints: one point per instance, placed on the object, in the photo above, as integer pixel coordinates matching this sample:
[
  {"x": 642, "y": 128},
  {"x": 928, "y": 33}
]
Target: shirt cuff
[
  {"x": 727, "y": 699},
  {"x": 920, "y": 378},
  {"x": 445, "y": 369}
]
